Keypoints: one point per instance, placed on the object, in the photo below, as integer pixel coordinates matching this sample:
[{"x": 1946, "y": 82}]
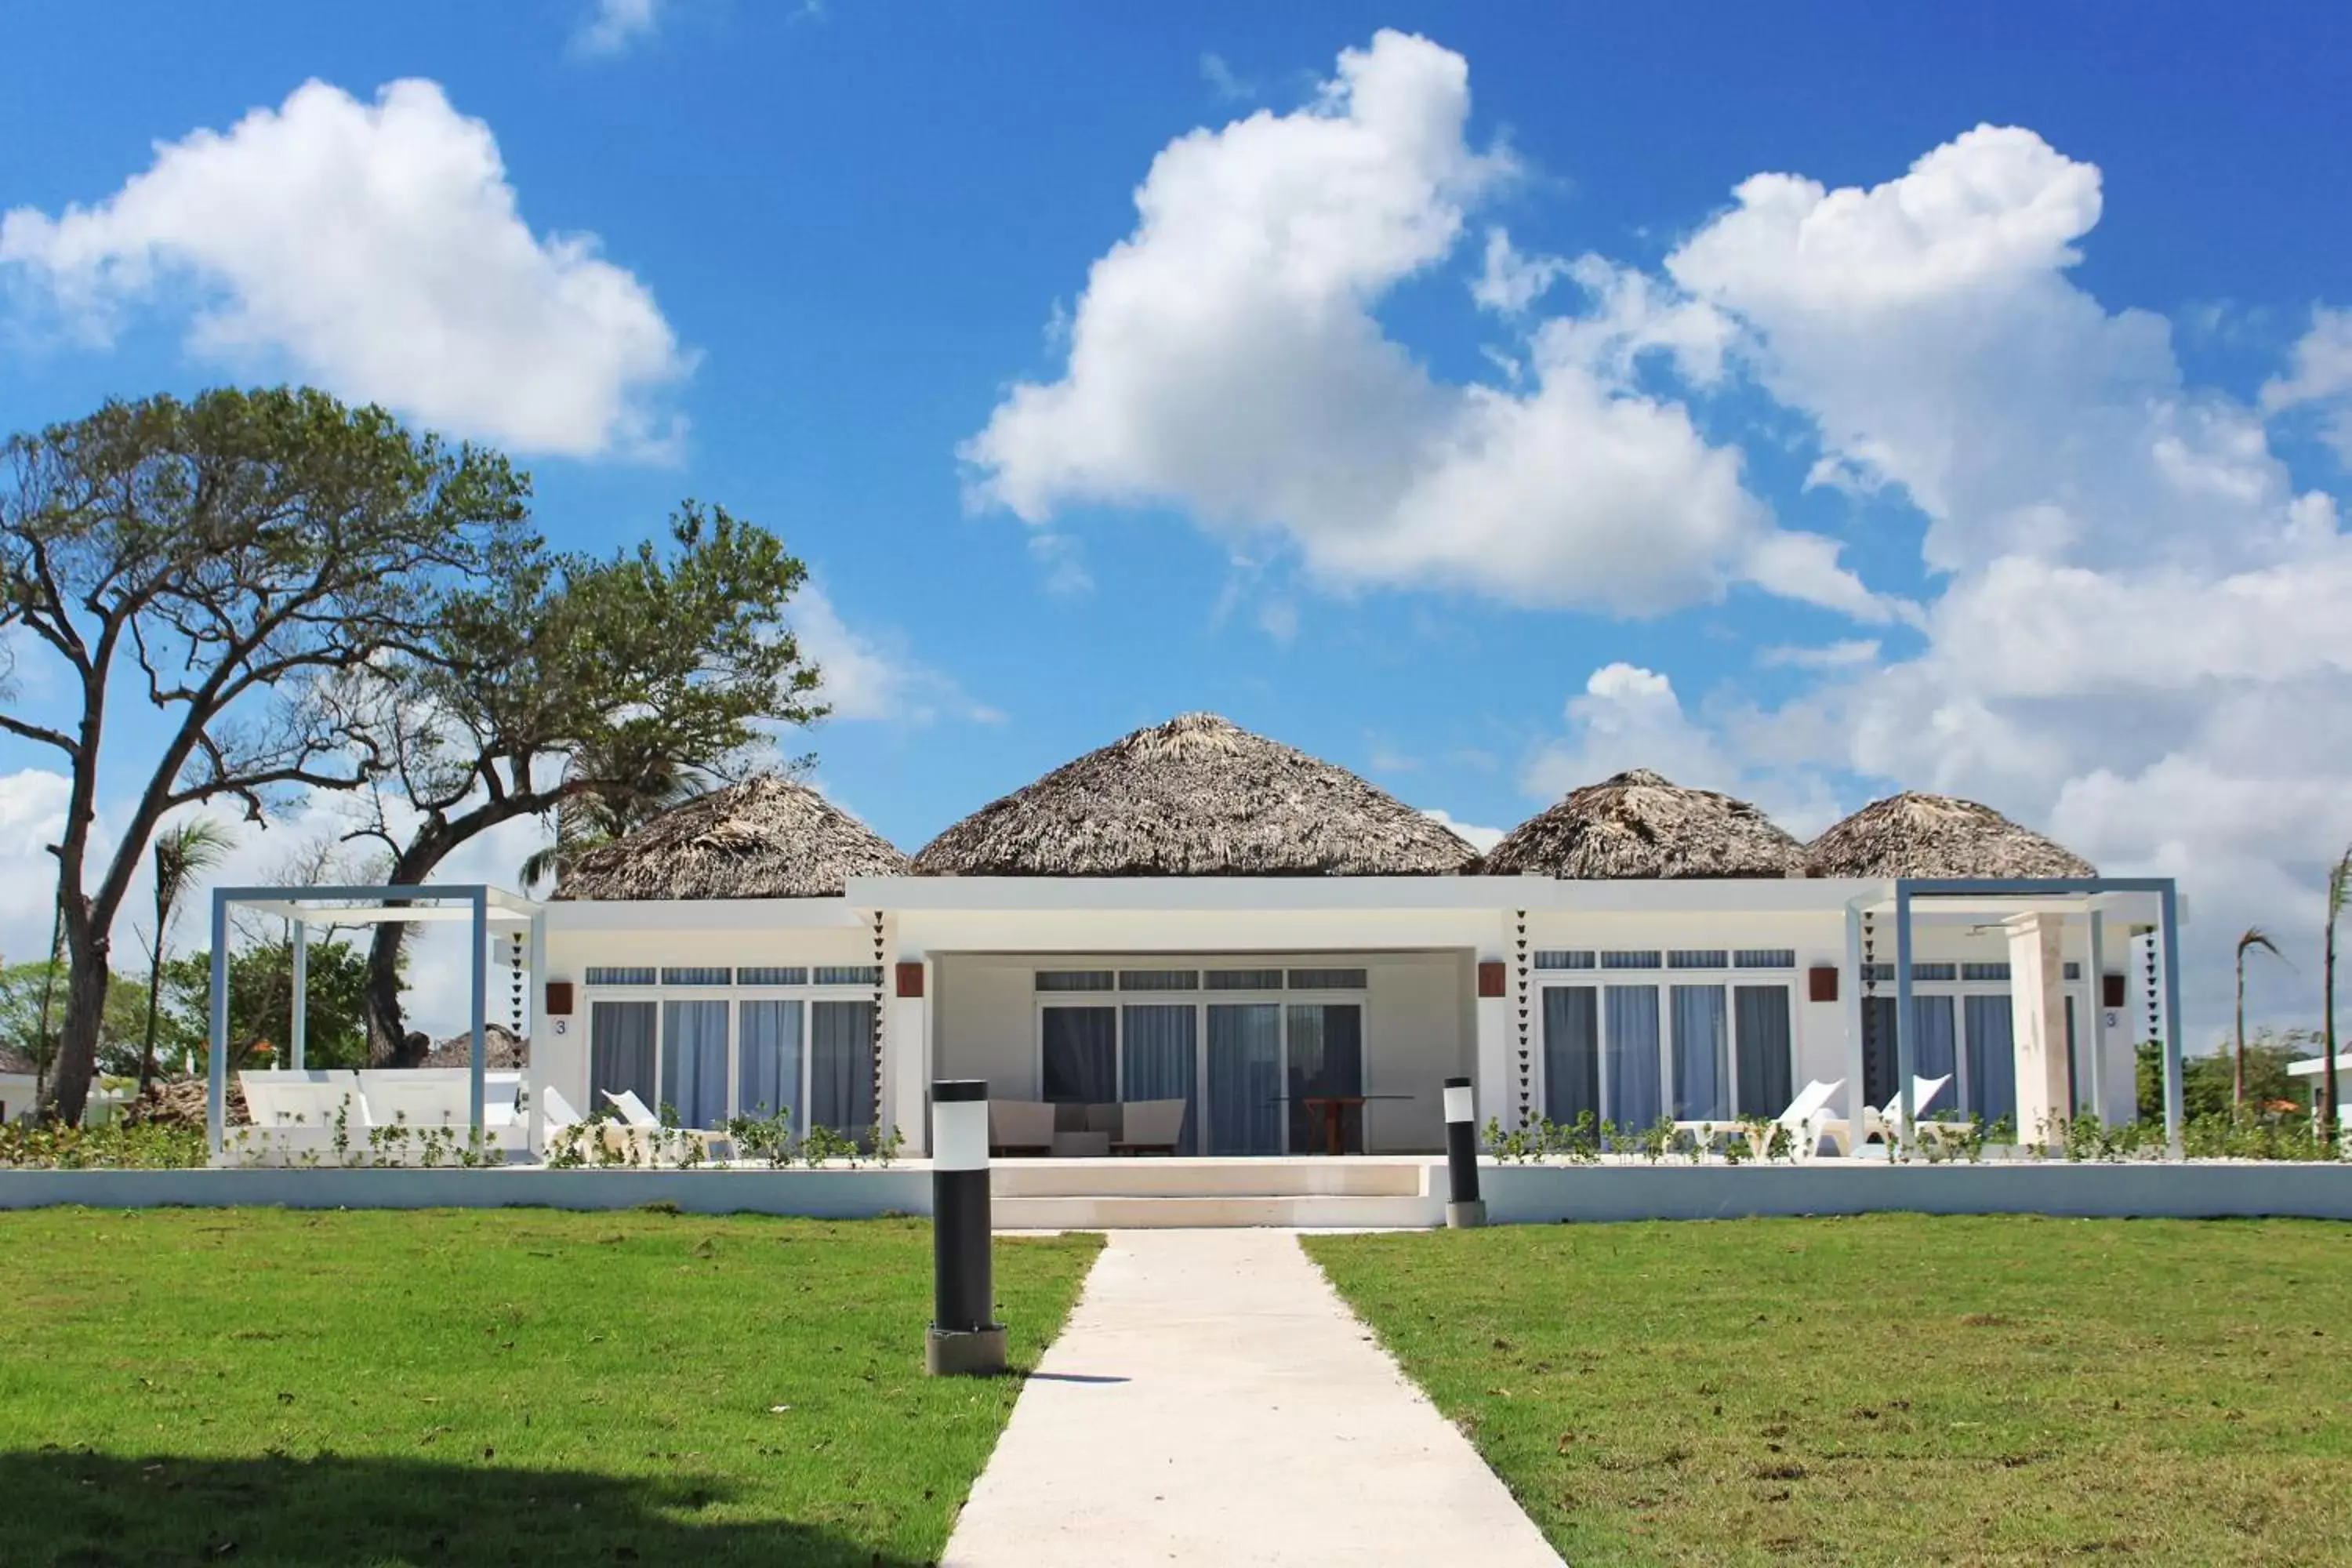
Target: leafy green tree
[
  {"x": 261, "y": 1004},
  {"x": 2208, "y": 1084},
  {"x": 2339, "y": 891},
  {"x": 598, "y": 687},
  {"x": 120, "y": 1025},
  {"x": 184, "y": 851},
  {"x": 223, "y": 562}
]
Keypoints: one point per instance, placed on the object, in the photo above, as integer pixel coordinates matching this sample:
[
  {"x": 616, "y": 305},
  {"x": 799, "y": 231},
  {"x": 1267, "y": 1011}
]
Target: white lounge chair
[
  {"x": 287, "y": 1097},
  {"x": 1802, "y": 1121},
  {"x": 648, "y": 1129},
  {"x": 1883, "y": 1124},
  {"x": 1019, "y": 1127},
  {"x": 1148, "y": 1126}
]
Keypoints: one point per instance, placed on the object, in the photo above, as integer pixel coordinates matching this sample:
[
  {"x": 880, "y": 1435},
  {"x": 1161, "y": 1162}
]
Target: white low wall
[
  {"x": 816, "y": 1194},
  {"x": 1533, "y": 1194}
]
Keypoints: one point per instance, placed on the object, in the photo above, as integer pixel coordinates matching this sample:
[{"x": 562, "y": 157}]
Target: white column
[
  {"x": 1496, "y": 1082},
  {"x": 2037, "y": 1003},
  {"x": 906, "y": 1055},
  {"x": 538, "y": 1036},
  {"x": 1851, "y": 990}
]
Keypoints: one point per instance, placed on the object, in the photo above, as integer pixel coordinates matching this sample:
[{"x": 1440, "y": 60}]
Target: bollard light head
[{"x": 1460, "y": 1105}]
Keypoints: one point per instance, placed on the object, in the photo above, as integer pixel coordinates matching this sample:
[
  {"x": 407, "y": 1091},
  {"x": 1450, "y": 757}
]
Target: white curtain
[
  {"x": 1701, "y": 1055},
  {"x": 1635, "y": 1099},
  {"x": 620, "y": 1051},
  {"x": 768, "y": 1067},
  {"x": 1159, "y": 1062},
  {"x": 1571, "y": 1059},
  {"x": 1246, "y": 1079},
  {"x": 1992, "y": 1059},
  {"x": 694, "y": 1062}
]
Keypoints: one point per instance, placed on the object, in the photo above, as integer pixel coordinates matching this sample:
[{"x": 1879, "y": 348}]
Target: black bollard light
[
  {"x": 1464, "y": 1208},
  {"x": 962, "y": 1340}
]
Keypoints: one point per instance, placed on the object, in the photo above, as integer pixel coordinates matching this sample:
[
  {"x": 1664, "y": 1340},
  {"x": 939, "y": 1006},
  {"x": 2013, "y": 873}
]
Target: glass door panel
[
  {"x": 1081, "y": 1055},
  {"x": 1245, "y": 1078},
  {"x": 1571, "y": 1053},
  {"x": 1327, "y": 1057},
  {"x": 620, "y": 1053},
  {"x": 841, "y": 1068},
  {"x": 768, "y": 1067},
  {"x": 1701, "y": 1055},
  {"x": 1160, "y": 1045},
  {"x": 694, "y": 1062},
  {"x": 1634, "y": 1095},
  {"x": 1760, "y": 1022},
  {"x": 1992, "y": 1059}
]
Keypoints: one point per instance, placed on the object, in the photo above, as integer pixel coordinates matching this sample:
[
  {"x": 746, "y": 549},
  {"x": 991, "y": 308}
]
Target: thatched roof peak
[
  {"x": 1196, "y": 797},
  {"x": 1915, "y": 834},
  {"x": 1641, "y": 825},
  {"x": 767, "y": 838}
]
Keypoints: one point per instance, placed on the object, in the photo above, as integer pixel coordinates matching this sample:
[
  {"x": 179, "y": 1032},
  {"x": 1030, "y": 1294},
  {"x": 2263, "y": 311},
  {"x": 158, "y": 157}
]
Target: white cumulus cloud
[
  {"x": 2321, "y": 374},
  {"x": 378, "y": 250},
  {"x": 1227, "y": 357}
]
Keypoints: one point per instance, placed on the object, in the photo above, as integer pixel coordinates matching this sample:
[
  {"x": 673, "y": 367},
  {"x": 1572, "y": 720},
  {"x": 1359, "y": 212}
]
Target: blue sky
[{"x": 2017, "y": 478}]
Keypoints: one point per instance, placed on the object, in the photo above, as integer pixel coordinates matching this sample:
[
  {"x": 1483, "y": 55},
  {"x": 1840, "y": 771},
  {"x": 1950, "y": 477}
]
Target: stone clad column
[{"x": 2037, "y": 1001}]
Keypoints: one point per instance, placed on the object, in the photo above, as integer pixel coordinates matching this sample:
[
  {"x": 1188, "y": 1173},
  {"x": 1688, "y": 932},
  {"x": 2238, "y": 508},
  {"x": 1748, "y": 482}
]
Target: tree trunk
[
  {"x": 387, "y": 1029},
  {"x": 2238, "y": 1081},
  {"x": 76, "y": 1059},
  {"x": 2327, "y": 1113},
  {"x": 154, "y": 1001}
]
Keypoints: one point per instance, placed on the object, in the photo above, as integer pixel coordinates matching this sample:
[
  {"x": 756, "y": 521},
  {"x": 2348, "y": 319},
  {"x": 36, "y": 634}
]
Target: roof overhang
[{"x": 1683, "y": 895}]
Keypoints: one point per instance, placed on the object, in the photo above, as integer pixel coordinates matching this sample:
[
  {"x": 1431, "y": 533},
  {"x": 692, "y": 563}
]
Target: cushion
[{"x": 1103, "y": 1119}]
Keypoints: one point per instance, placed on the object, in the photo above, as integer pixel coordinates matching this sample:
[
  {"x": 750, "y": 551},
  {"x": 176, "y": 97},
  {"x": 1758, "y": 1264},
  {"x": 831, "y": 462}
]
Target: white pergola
[
  {"x": 2021, "y": 903},
  {"x": 481, "y": 906}
]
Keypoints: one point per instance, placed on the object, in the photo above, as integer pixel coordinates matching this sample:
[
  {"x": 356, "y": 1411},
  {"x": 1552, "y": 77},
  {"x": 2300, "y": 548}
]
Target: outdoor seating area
[{"x": 1072, "y": 1130}]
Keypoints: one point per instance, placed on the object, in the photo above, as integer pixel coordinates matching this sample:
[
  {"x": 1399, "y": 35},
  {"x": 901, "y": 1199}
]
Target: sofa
[{"x": 1070, "y": 1130}]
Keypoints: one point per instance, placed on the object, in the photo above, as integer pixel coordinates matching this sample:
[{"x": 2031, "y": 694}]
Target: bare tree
[
  {"x": 2255, "y": 937},
  {"x": 217, "y": 560}
]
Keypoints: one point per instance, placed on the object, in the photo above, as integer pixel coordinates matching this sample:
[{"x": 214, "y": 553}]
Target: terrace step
[
  {"x": 1357, "y": 1177},
  {"x": 1116, "y": 1213}
]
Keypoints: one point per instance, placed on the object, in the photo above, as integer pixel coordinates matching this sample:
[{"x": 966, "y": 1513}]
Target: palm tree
[
  {"x": 603, "y": 812},
  {"x": 2339, "y": 888},
  {"x": 2255, "y": 937},
  {"x": 182, "y": 852}
]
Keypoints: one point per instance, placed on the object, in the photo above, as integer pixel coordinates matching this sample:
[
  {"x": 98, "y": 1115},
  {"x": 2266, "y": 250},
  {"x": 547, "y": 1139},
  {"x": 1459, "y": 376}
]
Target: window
[
  {"x": 1562, "y": 958},
  {"x": 1984, "y": 971},
  {"x": 2073, "y": 970},
  {"x": 1648, "y": 960},
  {"x": 795, "y": 974},
  {"x": 1699, "y": 958},
  {"x": 698, "y": 977},
  {"x": 1765, "y": 958},
  {"x": 1081, "y": 1055},
  {"x": 1244, "y": 980},
  {"x": 1158, "y": 980},
  {"x": 849, "y": 974},
  {"x": 1075, "y": 980},
  {"x": 621, "y": 1052},
  {"x": 1326, "y": 980},
  {"x": 694, "y": 1060},
  {"x": 841, "y": 1066},
  {"x": 610, "y": 976},
  {"x": 1934, "y": 972}
]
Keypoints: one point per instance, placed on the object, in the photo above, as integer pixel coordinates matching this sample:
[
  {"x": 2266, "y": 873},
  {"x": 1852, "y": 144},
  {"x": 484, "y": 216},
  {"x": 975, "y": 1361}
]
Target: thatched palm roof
[
  {"x": 503, "y": 1050},
  {"x": 767, "y": 837},
  {"x": 1197, "y": 796},
  {"x": 1638, "y": 824},
  {"x": 1918, "y": 835}
]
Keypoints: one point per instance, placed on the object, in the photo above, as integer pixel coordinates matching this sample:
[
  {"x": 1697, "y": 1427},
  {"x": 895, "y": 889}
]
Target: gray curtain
[
  {"x": 619, "y": 1052},
  {"x": 1246, "y": 1079},
  {"x": 768, "y": 1067},
  {"x": 1635, "y": 1097},
  {"x": 1160, "y": 1058},
  {"x": 694, "y": 1062},
  {"x": 1081, "y": 1055},
  {"x": 1327, "y": 1057},
  {"x": 1935, "y": 1050},
  {"x": 841, "y": 1068},
  {"x": 1701, "y": 1055},
  {"x": 1761, "y": 1017},
  {"x": 1572, "y": 1047},
  {"x": 1992, "y": 1057}
]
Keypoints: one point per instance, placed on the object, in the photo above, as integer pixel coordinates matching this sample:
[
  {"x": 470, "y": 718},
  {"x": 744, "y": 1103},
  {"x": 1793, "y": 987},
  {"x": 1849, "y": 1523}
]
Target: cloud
[
  {"x": 2322, "y": 375},
  {"x": 1512, "y": 282},
  {"x": 1479, "y": 839},
  {"x": 377, "y": 250},
  {"x": 2137, "y": 643},
  {"x": 867, "y": 677},
  {"x": 616, "y": 25},
  {"x": 1064, "y": 563},
  {"x": 1226, "y": 358},
  {"x": 1842, "y": 655},
  {"x": 1222, "y": 80}
]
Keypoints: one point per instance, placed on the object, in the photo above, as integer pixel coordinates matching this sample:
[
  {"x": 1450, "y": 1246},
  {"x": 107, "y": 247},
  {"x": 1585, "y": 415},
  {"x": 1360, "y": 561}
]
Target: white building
[{"x": 1195, "y": 912}]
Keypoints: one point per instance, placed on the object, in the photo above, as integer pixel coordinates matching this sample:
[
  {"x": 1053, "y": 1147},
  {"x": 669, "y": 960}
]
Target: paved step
[
  {"x": 1356, "y": 1176},
  {"x": 1112, "y": 1212}
]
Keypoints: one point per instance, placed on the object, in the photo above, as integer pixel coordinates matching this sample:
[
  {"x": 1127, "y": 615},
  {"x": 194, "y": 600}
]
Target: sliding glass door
[
  {"x": 1245, "y": 1078},
  {"x": 767, "y": 1069},
  {"x": 1571, "y": 1054},
  {"x": 1081, "y": 1065},
  {"x": 841, "y": 1068},
  {"x": 1632, "y": 1089},
  {"x": 621, "y": 1053},
  {"x": 1631, "y": 1052},
  {"x": 694, "y": 1065},
  {"x": 1159, "y": 1044},
  {"x": 1327, "y": 1060}
]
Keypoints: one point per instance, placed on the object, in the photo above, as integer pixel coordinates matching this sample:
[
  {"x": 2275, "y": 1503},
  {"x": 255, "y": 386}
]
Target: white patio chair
[
  {"x": 1149, "y": 1126},
  {"x": 1883, "y": 1124},
  {"x": 1802, "y": 1121},
  {"x": 648, "y": 1129},
  {"x": 287, "y": 1097}
]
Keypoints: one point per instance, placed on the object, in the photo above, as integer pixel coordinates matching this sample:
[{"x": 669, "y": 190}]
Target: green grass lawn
[
  {"x": 1891, "y": 1389},
  {"x": 527, "y": 1386}
]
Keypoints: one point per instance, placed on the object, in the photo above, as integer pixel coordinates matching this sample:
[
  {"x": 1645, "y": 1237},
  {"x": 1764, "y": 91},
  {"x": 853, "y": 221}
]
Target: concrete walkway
[{"x": 1212, "y": 1402}]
